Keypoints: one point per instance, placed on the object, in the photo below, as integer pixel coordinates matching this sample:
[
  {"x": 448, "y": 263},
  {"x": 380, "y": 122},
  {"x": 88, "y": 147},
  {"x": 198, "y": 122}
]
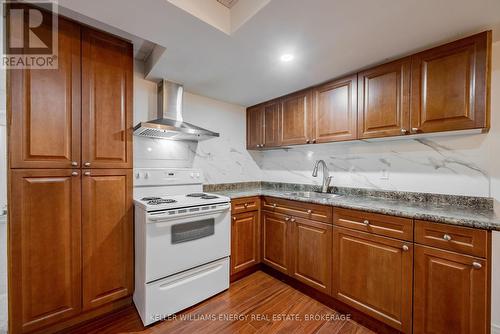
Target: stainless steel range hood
[{"x": 169, "y": 124}]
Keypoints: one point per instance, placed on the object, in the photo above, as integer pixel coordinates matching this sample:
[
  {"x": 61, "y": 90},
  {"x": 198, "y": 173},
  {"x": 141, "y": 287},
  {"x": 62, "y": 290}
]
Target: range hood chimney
[{"x": 169, "y": 124}]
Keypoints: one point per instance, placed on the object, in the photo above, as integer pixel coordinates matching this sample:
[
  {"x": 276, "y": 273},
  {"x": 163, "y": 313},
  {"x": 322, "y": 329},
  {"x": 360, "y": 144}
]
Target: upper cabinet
[
  {"x": 450, "y": 86},
  {"x": 106, "y": 101},
  {"x": 45, "y": 109},
  {"x": 255, "y": 127},
  {"x": 335, "y": 110},
  {"x": 296, "y": 119},
  {"x": 442, "y": 89},
  {"x": 272, "y": 124},
  {"x": 383, "y": 100}
]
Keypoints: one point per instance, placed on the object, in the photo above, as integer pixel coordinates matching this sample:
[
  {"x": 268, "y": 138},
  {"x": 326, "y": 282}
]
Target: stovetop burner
[
  {"x": 196, "y": 195},
  {"x": 161, "y": 201},
  {"x": 153, "y": 198},
  {"x": 209, "y": 197}
]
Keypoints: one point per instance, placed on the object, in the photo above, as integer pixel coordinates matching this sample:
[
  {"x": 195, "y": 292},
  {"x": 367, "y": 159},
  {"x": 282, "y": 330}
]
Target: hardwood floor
[{"x": 257, "y": 303}]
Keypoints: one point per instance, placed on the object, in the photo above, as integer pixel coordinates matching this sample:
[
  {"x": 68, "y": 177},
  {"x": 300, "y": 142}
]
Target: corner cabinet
[{"x": 70, "y": 183}]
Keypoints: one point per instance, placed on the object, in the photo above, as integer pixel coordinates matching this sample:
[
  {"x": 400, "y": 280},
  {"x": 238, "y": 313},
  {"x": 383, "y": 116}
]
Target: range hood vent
[{"x": 169, "y": 124}]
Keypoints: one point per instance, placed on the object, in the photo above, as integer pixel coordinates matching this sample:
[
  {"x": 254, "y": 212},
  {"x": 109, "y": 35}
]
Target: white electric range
[{"x": 182, "y": 241}]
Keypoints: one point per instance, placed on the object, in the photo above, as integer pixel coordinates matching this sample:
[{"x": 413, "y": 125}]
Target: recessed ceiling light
[{"x": 286, "y": 57}]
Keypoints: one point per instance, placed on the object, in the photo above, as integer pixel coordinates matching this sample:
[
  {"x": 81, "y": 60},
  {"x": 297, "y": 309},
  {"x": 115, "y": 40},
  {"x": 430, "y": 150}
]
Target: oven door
[{"x": 186, "y": 238}]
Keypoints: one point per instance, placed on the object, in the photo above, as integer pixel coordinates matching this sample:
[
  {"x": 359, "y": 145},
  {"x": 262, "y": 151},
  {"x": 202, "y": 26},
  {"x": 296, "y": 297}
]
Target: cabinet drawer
[
  {"x": 317, "y": 212},
  {"x": 245, "y": 204},
  {"x": 389, "y": 226},
  {"x": 455, "y": 238}
]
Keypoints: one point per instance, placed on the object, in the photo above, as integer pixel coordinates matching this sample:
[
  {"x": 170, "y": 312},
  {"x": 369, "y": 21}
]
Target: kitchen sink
[{"x": 313, "y": 194}]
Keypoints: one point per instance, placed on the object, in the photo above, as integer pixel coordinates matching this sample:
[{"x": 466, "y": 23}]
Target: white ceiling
[{"x": 328, "y": 38}]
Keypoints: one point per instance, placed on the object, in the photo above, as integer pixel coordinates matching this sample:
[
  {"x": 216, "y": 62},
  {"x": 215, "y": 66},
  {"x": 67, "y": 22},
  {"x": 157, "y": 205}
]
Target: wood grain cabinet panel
[
  {"x": 245, "y": 241},
  {"x": 272, "y": 124},
  {"x": 275, "y": 241},
  {"x": 374, "y": 275},
  {"x": 450, "y": 86},
  {"x": 107, "y": 236},
  {"x": 335, "y": 110},
  {"x": 311, "y": 253},
  {"x": 383, "y": 100},
  {"x": 255, "y": 127},
  {"x": 296, "y": 119},
  {"x": 245, "y": 204},
  {"x": 451, "y": 293},
  {"x": 322, "y": 213},
  {"x": 45, "y": 108},
  {"x": 45, "y": 248},
  {"x": 106, "y": 101}
]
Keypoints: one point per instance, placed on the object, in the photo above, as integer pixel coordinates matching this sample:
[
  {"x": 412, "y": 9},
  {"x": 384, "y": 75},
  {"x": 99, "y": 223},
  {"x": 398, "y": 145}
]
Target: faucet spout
[{"x": 326, "y": 178}]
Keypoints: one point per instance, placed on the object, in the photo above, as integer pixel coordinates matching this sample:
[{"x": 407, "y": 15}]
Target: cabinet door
[
  {"x": 335, "y": 110},
  {"x": 255, "y": 127},
  {"x": 107, "y": 236},
  {"x": 374, "y": 275},
  {"x": 296, "y": 119},
  {"x": 275, "y": 240},
  {"x": 451, "y": 293},
  {"x": 44, "y": 247},
  {"x": 450, "y": 86},
  {"x": 106, "y": 101},
  {"x": 45, "y": 108},
  {"x": 245, "y": 236},
  {"x": 383, "y": 100},
  {"x": 312, "y": 253},
  {"x": 272, "y": 124}
]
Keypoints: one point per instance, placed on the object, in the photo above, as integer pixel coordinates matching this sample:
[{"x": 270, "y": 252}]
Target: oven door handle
[{"x": 165, "y": 216}]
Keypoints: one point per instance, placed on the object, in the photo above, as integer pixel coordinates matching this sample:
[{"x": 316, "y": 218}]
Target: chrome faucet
[{"x": 326, "y": 179}]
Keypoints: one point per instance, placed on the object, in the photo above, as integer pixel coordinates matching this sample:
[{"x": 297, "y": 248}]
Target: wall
[
  {"x": 3, "y": 194},
  {"x": 223, "y": 159}
]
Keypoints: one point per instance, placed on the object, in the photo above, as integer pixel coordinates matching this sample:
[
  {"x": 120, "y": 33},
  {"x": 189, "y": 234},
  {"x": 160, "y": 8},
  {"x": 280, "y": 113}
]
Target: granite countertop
[{"x": 448, "y": 213}]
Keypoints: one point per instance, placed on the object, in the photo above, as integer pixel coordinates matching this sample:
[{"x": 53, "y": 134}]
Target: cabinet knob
[
  {"x": 292, "y": 220},
  {"x": 314, "y": 141},
  {"x": 74, "y": 173},
  {"x": 234, "y": 218},
  {"x": 405, "y": 248},
  {"x": 308, "y": 141},
  {"x": 261, "y": 145},
  {"x": 415, "y": 130},
  {"x": 274, "y": 206},
  {"x": 447, "y": 237},
  {"x": 86, "y": 173},
  {"x": 87, "y": 164},
  {"x": 366, "y": 222},
  {"x": 476, "y": 265},
  {"x": 309, "y": 212},
  {"x": 74, "y": 163},
  {"x": 287, "y": 219},
  {"x": 404, "y": 131},
  {"x": 245, "y": 205}
]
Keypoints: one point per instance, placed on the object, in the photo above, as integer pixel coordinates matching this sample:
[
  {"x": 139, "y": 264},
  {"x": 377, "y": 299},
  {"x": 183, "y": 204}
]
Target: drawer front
[
  {"x": 459, "y": 239},
  {"x": 316, "y": 212},
  {"x": 389, "y": 226},
  {"x": 245, "y": 204}
]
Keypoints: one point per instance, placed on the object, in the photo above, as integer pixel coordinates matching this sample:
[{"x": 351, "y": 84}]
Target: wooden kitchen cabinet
[
  {"x": 384, "y": 100},
  {"x": 311, "y": 253},
  {"x": 255, "y": 127},
  {"x": 106, "y": 100},
  {"x": 45, "y": 108},
  {"x": 272, "y": 124},
  {"x": 374, "y": 275},
  {"x": 107, "y": 236},
  {"x": 245, "y": 241},
  {"x": 45, "y": 248},
  {"x": 296, "y": 119},
  {"x": 451, "y": 293},
  {"x": 276, "y": 241},
  {"x": 450, "y": 86},
  {"x": 335, "y": 110}
]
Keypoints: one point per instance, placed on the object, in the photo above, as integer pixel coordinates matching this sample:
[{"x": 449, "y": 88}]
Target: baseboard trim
[
  {"x": 495, "y": 329},
  {"x": 245, "y": 272}
]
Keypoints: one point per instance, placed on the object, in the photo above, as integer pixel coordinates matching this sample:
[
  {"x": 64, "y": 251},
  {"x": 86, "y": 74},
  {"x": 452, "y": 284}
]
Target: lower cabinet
[
  {"x": 451, "y": 292},
  {"x": 276, "y": 241},
  {"x": 107, "y": 226},
  {"x": 374, "y": 275},
  {"x": 245, "y": 241}
]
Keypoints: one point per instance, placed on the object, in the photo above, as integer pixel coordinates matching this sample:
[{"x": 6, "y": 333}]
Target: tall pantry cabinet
[{"x": 70, "y": 183}]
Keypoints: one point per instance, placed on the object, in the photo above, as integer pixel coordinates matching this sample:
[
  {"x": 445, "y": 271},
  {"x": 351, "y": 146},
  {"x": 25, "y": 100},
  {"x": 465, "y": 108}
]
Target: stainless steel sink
[{"x": 313, "y": 194}]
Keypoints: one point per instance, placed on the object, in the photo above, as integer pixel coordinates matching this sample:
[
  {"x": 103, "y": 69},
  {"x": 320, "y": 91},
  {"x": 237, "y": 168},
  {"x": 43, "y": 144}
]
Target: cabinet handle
[
  {"x": 404, "y": 131},
  {"x": 415, "y": 130},
  {"x": 447, "y": 237},
  {"x": 87, "y": 164},
  {"x": 308, "y": 141},
  {"x": 476, "y": 265},
  {"x": 366, "y": 222},
  {"x": 86, "y": 173},
  {"x": 309, "y": 212},
  {"x": 405, "y": 248},
  {"x": 74, "y": 163},
  {"x": 314, "y": 141},
  {"x": 292, "y": 220},
  {"x": 74, "y": 173},
  {"x": 274, "y": 206},
  {"x": 287, "y": 219},
  {"x": 245, "y": 205},
  {"x": 234, "y": 218},
  {"x": 261, "y": 145}
]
